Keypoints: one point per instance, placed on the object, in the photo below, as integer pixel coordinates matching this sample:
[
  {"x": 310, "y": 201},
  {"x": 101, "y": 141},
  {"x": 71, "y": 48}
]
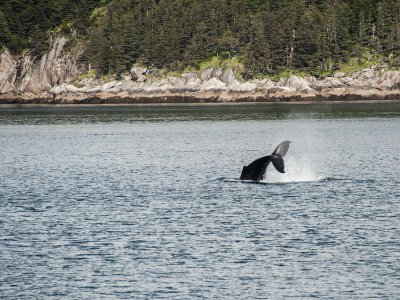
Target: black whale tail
[
  {"x": 256, "y": 170},
  {"x": 282, "y": 149},
  {"x": 278, "y": 163},
  {"x": 278, "y": 154}
]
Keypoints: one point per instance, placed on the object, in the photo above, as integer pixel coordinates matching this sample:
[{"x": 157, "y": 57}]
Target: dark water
[{"x": 144, "y": 202}]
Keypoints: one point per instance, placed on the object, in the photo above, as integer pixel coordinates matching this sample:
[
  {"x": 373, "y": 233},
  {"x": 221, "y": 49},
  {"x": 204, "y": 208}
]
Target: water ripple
[{"x": 144, "y": 209}]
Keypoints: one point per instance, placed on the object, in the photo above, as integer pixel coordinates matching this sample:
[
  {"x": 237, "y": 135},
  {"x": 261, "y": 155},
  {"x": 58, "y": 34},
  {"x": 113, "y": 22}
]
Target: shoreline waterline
[
  {"x": 199, "y": 104},
  {"x": 125, "y": 97}
]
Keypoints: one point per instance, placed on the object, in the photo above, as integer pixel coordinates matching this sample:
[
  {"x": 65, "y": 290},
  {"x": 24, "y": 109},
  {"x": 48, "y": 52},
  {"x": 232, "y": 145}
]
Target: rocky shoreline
[
  {"x": 107, "y": 98},
  {"x": 213, "y": 86},
  {"x": 58, "y": 78}
]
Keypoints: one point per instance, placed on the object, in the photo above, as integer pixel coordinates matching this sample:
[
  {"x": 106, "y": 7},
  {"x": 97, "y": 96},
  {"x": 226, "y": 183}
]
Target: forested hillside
[
  {"x": 266, "y": 36},
  {"x": 27, "y": 24}
]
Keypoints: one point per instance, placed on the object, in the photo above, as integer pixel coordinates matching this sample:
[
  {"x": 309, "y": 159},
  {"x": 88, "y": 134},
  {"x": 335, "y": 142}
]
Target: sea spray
[{"x": 297, "y": 170}]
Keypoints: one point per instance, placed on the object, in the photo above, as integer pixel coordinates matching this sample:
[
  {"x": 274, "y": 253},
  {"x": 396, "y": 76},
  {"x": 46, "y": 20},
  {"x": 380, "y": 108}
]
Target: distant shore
[
  {"x": 198, "y": 98},
  {"x": 60, "y": 80}
]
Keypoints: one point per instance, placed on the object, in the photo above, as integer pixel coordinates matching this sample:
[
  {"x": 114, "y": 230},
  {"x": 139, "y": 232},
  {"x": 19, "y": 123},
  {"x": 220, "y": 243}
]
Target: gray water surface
[{"x": 144, "y": 202}]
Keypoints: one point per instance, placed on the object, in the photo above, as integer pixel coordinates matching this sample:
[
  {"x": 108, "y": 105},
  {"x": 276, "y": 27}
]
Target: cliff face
[{"x": 25, "y": 74}]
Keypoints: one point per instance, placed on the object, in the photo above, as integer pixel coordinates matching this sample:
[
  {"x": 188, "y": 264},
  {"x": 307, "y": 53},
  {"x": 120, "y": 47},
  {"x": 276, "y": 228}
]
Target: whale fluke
[
  {"x": 256, "y": 170},
  {"x": 282, "y": 149}
]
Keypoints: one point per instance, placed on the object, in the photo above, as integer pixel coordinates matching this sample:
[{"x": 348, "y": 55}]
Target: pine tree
[
  {"x": 307, "y": 44},
  {"x": 267, "y": 35},
  {"x": 5, "y": 33},
  {"x": 388, "y": 26},
  {"x": 258, "y": 59}
]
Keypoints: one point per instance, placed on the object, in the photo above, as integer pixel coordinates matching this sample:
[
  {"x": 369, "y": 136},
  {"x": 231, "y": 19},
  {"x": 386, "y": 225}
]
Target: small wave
[
  {"x": 225, "y": 179},
  {"x": 237, "y": 180},
  {"x": 348, "y": 180},
  {"x": 298, "y": 180},
  {"x": 365, "y": 180}
]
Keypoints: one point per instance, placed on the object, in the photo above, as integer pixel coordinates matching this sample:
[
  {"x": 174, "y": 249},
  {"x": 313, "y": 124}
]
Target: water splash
[{"x": 297, "y": 170}]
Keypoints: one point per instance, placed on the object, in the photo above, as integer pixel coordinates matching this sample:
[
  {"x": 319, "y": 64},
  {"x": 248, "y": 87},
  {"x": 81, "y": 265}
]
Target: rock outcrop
[
  {"x": 26, "y": 74},
  {"x": 8, "y": 72},
  {"x": 295, "y": 83}
]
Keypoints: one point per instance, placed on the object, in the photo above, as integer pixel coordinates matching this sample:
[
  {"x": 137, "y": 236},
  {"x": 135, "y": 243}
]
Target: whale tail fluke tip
[
  {"x": 278, "y": 163},
  {"x": 282, "y": 148}
]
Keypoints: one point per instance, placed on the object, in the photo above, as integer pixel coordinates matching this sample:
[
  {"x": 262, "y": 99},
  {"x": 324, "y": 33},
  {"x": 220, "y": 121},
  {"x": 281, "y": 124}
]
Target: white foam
[{"x": 297, "y": 170}]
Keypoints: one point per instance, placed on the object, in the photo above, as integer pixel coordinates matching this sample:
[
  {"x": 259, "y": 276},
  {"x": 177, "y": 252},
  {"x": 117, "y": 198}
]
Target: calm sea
[{"x": 144, "y": 202}]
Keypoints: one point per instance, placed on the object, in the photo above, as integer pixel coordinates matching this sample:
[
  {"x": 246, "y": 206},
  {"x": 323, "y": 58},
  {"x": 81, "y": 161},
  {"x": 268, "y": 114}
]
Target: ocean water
[{"x": 144, "y": 202}]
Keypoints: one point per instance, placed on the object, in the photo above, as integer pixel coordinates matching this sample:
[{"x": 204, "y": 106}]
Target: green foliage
[
  {"x": 365, "y": 58},
  {"x": 28, "y": 24},
  {"x": 262, "y": 37},
  {"x": 288, "y": 73},
  {"x": 88, "y": 74},
  {"x": 221, "y": 61}
]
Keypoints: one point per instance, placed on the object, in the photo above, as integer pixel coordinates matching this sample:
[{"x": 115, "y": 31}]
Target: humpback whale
[{"x": 256, "y": 170}]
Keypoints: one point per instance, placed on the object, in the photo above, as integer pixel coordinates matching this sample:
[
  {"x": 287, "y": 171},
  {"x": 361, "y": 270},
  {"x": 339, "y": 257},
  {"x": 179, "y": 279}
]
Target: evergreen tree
[
  {"x": 5, "y": 33},
  {"x": 388, "y": 26},
  {"x": 258, "y": 59},
  {"x": 267, "y": 35}
]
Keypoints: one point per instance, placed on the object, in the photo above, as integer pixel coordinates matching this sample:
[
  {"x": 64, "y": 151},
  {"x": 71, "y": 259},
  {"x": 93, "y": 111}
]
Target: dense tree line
[
  {"x": 27, "y": 24},
  {"x": 266, "y": 35}
]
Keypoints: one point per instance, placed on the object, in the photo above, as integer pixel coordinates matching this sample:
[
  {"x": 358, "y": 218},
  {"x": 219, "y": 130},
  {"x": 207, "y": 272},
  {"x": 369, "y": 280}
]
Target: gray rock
[
  {"x": 92, "y": 90},
  {"x": 218, "y": 73},
  {"x": 193, "y": 85},
  {"x": 335, "y": 91},
  {"x": 156, "y": 89},
  {"x": 346, "y": 81},
  {"x": 88, "y": 82},
  {"x": 281, "y": 89},
  {"x": 110, "y": 85},
  {"x": 265, "y": 84},
  {"x": 367, "y": 75},
  {"x": 210, "y": 73},
  {"x": 385, "y": 85},
  {"x": 294, "y": 82},
  {"x": 339, "y": 75},
  {"x": 214, "y": 85},
  {"x": 72, "y": 89},
  {"x": 234, "y": 86},
  {"x": 7, "y": 72},
  {"x": 45, "y": 87},
  {"x": 135, "y": 88},
  {"x": 238, "y": 87},
  {"x": 329, "y": 82},
  {"x": 189, "y": 82},
  {"x": 6, "y": 88},
  {"x": 151, "y": 72},
  {"x": 52, "y": 69},
  {"x": 138, "y": 74},
  {"x": 361, "y": 84},
  {"x": 178, "y": 85},
  {"x": 228, "y": 76},
  {"x": 59, "y": 89},
  {"x": 207, "y": 74},
  {"x": 190, "y": 76},
  {"x": 312, "y": 81},
  {"x": 390, "y": 80}
]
